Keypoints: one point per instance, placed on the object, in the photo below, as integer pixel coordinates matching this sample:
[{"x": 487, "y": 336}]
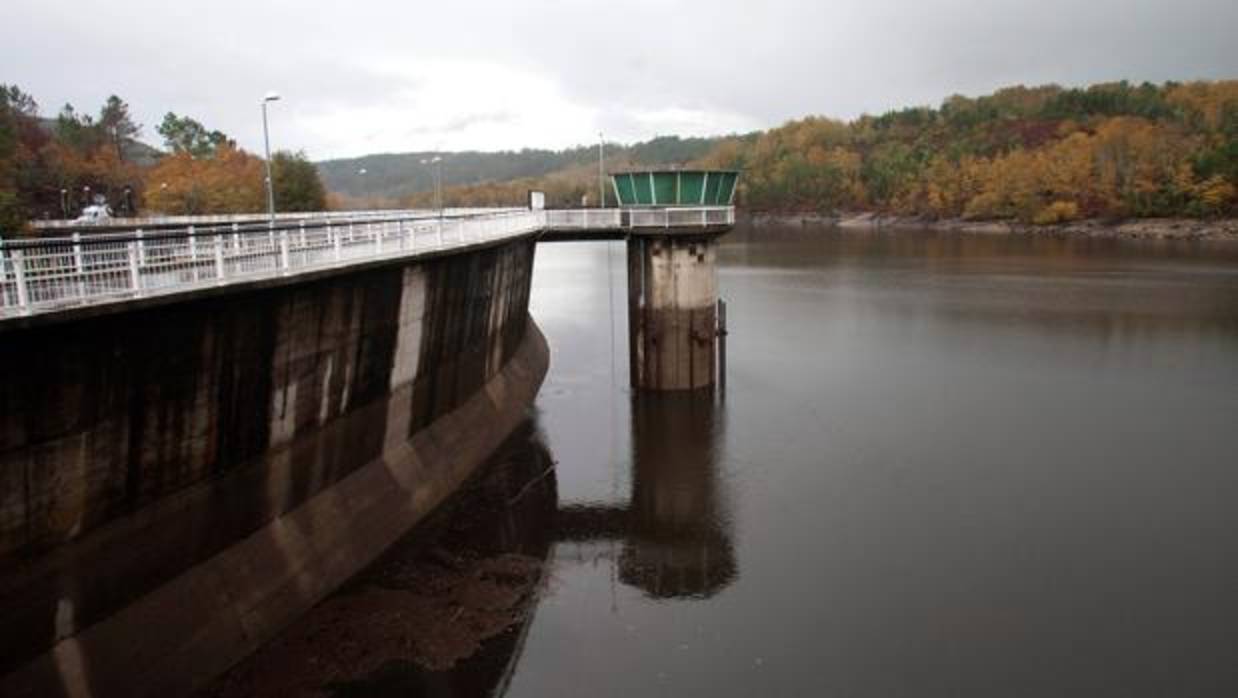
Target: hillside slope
[{"x": 397, "y": 175}]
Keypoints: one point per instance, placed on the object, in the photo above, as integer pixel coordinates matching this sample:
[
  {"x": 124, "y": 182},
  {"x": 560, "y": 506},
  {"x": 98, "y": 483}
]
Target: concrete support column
[{"x": 672, "y": 311}]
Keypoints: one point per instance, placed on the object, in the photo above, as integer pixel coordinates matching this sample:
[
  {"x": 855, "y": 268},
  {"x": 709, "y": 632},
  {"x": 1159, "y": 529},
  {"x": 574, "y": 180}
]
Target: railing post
[
  {"x": 219, "y": 257},
  {"x": 283, "y": 249},
  {"x": 350, "y": 232},
  {"x": 19, "y": 277},
  {"x": 378, "y": 239},
  {"x": 400, "y": 224},
  {"x": 135, "y": 274},
  {"x": 301, "y": 225},
  {"x": 236, "y": 237},
  {"x": 193, "y": 245},
  {"x": 141, "y": 246},
  {"x": 77, "y": 253},
  {"x": 4, "y": 275},
  {"x": 79, "y": 268},
  {"x": 335, "y": 243},
  {"x": 704, "y": 218}
]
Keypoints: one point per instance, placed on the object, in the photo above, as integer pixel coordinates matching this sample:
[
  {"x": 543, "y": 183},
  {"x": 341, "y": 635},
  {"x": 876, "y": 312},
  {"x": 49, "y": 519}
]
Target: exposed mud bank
[
  {"x": 1225, "y": 229},
  {"x": 445, "y": 608}
]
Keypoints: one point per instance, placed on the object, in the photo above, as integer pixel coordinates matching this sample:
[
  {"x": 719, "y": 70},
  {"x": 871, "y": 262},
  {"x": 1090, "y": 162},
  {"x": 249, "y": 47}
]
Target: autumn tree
[
  {"x": 1038, "y": 154},
  {"x": 230, "y": 180}
]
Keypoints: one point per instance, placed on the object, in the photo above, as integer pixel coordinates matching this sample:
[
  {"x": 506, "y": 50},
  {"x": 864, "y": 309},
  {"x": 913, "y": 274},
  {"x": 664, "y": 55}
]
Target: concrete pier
[{"x": 672, "y": 311}]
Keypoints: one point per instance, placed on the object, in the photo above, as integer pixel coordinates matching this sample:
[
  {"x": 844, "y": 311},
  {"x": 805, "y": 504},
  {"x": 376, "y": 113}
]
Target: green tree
[
  {"x": 117, "y": 125},
  {"x": 182, "y": 134},
  {"x": 297, "y": 184},
  {"x": 77, "y": 131},
  {"x": 18, "y": 132}
]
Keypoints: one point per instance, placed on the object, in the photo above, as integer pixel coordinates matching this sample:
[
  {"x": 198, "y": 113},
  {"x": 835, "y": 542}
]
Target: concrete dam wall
[{"x": 180, "y": 479}]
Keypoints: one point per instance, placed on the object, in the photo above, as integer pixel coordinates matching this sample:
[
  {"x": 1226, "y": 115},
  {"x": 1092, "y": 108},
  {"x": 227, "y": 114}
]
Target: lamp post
[
  {"x": 438, "y": 184},
  {"x": 266, "y": 143},
  {"x": 437, "y": 180},
  {"x": 601, "y": 171}
]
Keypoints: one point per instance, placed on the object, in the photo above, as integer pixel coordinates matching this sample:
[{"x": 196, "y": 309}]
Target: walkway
[{"x": 44, "y": 275}]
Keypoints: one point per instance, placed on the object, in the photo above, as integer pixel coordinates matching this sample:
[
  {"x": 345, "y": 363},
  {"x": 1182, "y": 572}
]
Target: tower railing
[{"x": 628, "y": 218}]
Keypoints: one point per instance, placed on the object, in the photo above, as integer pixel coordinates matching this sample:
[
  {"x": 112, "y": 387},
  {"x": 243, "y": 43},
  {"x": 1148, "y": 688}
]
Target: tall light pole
[
  {"x": 266, "y": 143},
  {"x": 438, "y": 183},
  {"x": 436, "y": 178},
  {"x": 601, "y": 171}
]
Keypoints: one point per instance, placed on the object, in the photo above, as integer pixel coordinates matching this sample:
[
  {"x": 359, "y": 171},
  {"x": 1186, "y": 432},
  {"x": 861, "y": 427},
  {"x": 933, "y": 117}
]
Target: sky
[{"x": 364, "y": 77}]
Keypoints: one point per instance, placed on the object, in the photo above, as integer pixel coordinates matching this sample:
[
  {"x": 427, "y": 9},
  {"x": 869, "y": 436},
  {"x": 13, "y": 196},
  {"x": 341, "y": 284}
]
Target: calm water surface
[{"x": 944, "y": 465}]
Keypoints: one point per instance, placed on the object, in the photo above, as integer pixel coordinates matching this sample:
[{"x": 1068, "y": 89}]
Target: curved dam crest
[{"x": 314, "y": 423}]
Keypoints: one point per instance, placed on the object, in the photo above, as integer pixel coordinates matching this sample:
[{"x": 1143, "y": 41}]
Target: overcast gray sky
[{"x": 362, "y": 77}]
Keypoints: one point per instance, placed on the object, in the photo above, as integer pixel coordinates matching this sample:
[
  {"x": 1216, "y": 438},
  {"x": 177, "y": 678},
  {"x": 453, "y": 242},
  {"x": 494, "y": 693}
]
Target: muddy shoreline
[
  {"x": 1224, "y": 229},
  {"x": 445, "y": 608}
]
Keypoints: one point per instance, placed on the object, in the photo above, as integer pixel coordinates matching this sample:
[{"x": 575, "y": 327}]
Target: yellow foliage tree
[{"x": 230, "y": 181}]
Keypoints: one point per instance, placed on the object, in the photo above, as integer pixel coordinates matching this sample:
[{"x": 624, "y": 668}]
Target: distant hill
[
  {"x": 396, "y": 175},
  {"x": 142, "y": 154}
]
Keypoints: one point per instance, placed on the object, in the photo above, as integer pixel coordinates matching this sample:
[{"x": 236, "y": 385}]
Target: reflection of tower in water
[{"x": 677, "y": 542}]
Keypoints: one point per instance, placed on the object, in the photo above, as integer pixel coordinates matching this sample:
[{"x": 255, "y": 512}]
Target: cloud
[{"x": 359, "y": 78}]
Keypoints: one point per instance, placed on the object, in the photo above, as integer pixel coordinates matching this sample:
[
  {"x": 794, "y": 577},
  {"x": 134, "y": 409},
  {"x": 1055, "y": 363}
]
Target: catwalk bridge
[{"x": 170, "y": 256}]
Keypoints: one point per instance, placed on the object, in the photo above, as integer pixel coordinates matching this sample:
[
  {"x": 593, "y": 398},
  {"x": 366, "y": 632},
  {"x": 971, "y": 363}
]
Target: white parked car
[{"x": 96, "y": 213}]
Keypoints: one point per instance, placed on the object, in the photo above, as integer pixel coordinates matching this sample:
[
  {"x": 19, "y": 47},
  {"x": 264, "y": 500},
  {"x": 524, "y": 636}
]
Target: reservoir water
[{"x": 944, "y": 465}]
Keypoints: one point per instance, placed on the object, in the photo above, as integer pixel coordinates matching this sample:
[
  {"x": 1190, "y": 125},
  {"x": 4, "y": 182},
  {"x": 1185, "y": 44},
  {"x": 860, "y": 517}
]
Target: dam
[{"x": 188, "y": 452}]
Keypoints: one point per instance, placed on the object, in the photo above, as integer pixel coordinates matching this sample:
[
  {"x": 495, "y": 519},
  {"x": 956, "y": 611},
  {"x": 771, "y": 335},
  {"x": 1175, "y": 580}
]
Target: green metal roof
[{"x": 675, "y": 187}]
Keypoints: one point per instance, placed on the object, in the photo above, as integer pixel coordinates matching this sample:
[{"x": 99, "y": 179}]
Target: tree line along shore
[
  {"x": 1146, "y": 160},
  {"x": 54, "y": 167}
]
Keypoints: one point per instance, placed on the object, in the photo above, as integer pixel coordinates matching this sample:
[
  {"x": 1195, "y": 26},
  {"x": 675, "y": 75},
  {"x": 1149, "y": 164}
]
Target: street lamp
[
  {"x": 266, "y": 142},
  {"x": 437, "y": 181},
  {"x": 601, "y": 171}
]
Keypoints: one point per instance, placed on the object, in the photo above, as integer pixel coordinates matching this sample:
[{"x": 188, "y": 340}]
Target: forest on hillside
[
  {"x": 393, "y": 177},
  {"x": 1035, "y": 154},
  {"x": 1043, "y": 154}
]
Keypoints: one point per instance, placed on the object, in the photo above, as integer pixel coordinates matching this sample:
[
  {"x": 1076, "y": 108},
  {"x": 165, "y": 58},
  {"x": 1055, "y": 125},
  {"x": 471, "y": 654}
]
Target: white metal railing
[
  {"x": 244, "y": 218},
  {"x": 704, "y": 216},
  {"x": 46, "y": 274},
  {"x": 584, "y": 219},
  {"x": 626, "y": 218}
]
